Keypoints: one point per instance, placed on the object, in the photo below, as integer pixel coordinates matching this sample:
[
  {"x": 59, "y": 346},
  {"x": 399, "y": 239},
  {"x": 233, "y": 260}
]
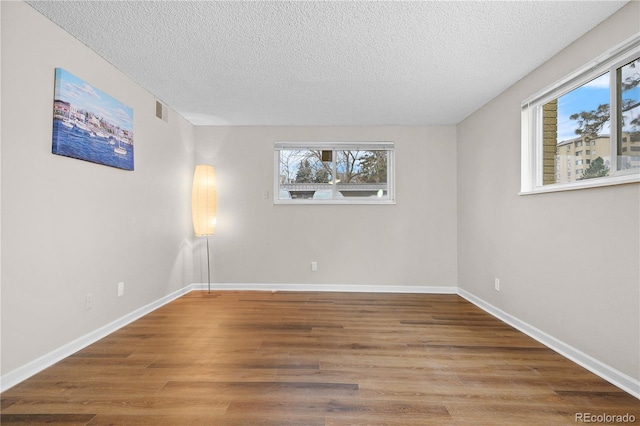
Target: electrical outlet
[
  {"x": 88, "y": 302},
  {"x": 314, "y": 266},
  {"x": 497, "y": 284},
  {"x": 120, "y": 289}
]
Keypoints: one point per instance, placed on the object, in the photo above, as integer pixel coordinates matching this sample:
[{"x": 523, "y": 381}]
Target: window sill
[
  {"x": 332, "y": 202},
  {"x": 584, "y": 184}
]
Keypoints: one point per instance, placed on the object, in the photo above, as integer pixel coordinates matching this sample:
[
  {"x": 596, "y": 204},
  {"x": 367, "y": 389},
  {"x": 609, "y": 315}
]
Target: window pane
[
  {"x": 303, "y": 174},
  {"x": 362, "y": 174},
  {"x": 572, "y": 122},
  {"x": 629, "y": 116},
  {"x": 340, "y": 173}
]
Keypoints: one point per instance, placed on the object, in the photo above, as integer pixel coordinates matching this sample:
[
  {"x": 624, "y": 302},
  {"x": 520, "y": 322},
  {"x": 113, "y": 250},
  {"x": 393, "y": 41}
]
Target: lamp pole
[{"x": 208, "y": 266}]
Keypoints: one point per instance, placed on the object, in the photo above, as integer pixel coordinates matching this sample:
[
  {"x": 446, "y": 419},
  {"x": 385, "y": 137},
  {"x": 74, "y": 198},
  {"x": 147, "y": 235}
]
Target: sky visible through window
[
  {"x": 630, "y": 74},
  {"x": 585, "y": 98},
  {"x": 593, "y": 94}
]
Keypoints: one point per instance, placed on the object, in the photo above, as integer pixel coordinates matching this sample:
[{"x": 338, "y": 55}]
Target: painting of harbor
[{"x": 90, "y": 125}]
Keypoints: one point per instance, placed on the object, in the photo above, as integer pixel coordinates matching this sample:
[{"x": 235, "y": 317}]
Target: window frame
[
  {"x": 531, "y": 122},
  {"x": 387, "y": 146}
]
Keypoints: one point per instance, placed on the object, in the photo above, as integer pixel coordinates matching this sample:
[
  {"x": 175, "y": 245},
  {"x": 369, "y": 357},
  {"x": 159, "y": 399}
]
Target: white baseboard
[
  {"x": 345, "y": 288},
  {"x": 16, "y": 376},
  {"x": 617, "y": 378},
  {"x": 613, "y": 376}
]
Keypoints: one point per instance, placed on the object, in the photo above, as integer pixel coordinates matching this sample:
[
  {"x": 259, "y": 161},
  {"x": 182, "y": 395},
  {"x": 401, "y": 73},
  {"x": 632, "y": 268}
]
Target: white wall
[
  {"x": 412, "y": 243},
  {"x": 569, "y": 262},
  {"x": 69, "y": 227}
]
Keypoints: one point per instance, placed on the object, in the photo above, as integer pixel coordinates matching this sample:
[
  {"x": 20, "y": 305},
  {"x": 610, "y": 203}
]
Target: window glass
[
  {"x": 578, "y": 118},
  {"x": 629, "y": 116},
  {"x": 584, "y": 130},
  {"x": 362, "y": 173},
  {"x": 333, "y": 172},
  {"x": 303, "y": 173}
]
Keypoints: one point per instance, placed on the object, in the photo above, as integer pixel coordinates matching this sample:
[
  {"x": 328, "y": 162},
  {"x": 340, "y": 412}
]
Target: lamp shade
[{"x": 204, "y": 201}]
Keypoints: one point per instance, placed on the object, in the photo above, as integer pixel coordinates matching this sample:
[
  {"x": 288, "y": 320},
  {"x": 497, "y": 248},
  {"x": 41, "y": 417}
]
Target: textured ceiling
[{"x": 327, "y": 62}]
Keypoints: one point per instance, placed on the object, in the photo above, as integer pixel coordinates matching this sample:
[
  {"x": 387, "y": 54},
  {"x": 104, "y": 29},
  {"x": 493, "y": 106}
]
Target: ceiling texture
[{"x": 326, "y": 62}]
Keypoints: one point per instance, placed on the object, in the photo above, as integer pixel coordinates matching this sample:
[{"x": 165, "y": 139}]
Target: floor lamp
[{"x": 204, "y": 205}]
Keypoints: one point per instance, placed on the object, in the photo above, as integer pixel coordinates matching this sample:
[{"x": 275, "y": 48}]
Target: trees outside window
[
  {"x": 597, "y": 107},
  {"x": 343, "y": 172}
]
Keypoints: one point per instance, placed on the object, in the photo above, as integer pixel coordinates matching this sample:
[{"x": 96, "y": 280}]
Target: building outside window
[{"x": 598, "y": 107}]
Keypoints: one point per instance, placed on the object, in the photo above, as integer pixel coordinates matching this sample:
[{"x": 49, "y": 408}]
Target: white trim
[
  {"x": 22, "y": 373},
  {"x": 527, "y": 166},
  {"x": 591, "y": 69},
  {"x": 346, "y": 145},
  {"x": 334, "y": 201},
  {"x": 613, "y": 376},
  {"x": 613, "y": 122},
  {"x": 583, "y": 184},
  {"x": 344, "y": 288}
]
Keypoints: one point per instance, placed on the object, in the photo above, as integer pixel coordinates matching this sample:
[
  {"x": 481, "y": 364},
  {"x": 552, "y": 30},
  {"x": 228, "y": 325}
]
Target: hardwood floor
[{"x": 261, "y": 358}]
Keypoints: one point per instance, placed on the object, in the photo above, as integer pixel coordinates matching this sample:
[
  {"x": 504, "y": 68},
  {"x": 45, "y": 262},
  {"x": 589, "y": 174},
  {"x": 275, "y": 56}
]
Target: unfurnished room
[{"x": 320, "y": 212}]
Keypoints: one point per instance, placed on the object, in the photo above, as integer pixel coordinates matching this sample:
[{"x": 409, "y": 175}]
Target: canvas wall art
[{"x": 90, "y": 125}]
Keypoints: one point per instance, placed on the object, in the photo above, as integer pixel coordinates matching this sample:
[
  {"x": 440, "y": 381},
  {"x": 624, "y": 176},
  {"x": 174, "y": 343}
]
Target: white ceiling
[{"x": 326, "y": 62}]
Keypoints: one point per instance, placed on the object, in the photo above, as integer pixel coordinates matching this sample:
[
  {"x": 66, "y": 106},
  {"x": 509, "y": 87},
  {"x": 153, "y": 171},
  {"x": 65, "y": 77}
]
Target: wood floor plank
[
  {"x": 308, "y": 358},
  {"x": 56, "y": 419},
  {"x": 246, "y": 418},
  {"x": 122, "y": 404}
]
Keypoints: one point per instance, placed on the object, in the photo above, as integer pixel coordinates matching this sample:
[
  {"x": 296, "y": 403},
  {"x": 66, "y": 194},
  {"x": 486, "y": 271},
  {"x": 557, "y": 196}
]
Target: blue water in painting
[{"x": 78, "y": 143}]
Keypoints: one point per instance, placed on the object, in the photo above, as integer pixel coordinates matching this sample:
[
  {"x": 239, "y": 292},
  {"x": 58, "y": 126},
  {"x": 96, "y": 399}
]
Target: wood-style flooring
[{"x": 289, "y": 358}]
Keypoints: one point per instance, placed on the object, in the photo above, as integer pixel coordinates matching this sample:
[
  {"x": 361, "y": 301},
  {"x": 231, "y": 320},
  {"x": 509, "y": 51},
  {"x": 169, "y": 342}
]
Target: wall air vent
[{"x": 161, "y": 111}]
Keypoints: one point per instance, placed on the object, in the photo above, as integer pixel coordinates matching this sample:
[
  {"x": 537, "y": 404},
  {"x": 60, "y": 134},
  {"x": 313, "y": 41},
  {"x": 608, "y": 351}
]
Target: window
[
  {"x": 334, "y": 173},
  {"x": 597, "y": 106}
]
